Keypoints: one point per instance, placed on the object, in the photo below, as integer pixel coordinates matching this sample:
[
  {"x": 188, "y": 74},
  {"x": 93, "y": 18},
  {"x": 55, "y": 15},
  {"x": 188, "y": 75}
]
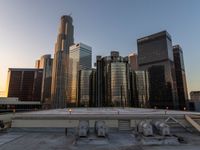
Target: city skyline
[{"x": 28, "y": 58}]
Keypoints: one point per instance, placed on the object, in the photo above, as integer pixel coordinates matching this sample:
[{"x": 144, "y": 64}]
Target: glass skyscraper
[
  {"x": 85, "y": 88},
  {"x": 142, "y": 88},
  {"x": 112, "y": 77},
  {"x": 45, "y": 63},
  {"x": 59, "y": 86},
  {"x": 80, "y": 57},
  {"x": 157, "y": 50},
  {"x": 160, "y": 93},
  {"x": 180, "y": 76}
]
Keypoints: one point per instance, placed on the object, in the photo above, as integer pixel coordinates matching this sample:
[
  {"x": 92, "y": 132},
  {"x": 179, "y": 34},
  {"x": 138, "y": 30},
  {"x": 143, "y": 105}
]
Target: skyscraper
[
  {"x": 132, "y": 59},
  {"x": 112, "y": 75},
  {"x": 45, "y": 63},
  {"x": 60, "y": 63},
  {"x": 24, "y": 83},
  {"x": 158, "y": 91},
  {"x": 80, "y": 57},
  {"x": 180, "y": 76},
  {"x": 142, "y": 89},
  {"x": 156, "y": 50},
  {"x": 85, "y": 88}
]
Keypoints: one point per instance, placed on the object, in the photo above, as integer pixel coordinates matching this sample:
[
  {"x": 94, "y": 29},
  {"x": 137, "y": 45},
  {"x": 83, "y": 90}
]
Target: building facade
[
  {"x": 10, "y": 104},
  {"x": 46, "y": 63},
  {"x": 159, "y": 92},
  {"x": 132, "y": 58},
  {"x": 180, "y": 76},
  {"x": 142, "y": 89},
  {"x": 112, "y": 77},
  {"x": 86, "y": 88},
  {"x": 195, "y": 95},
  {"x": 60, "y": 63},
  {"x": 80, "y": 57},
  {"x": 156, "y": 50},
  {"x": 25, "y": 83}
]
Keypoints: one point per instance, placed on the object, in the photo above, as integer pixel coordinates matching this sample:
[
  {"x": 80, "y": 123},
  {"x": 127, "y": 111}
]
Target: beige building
[{"x": 132, "y": 58}]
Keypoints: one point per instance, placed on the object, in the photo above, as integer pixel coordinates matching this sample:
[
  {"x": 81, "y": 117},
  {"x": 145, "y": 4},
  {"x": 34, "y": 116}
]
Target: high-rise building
[
  {"x": 112, "y": 77},
  {"x": 85, "y": 88},
  {"x": 24, "y": 83},
  {"x": 60, "y": 63},
  {"x": 46, "y": 63},
  {"x": 80, "y": 57},
  {"x": 142, "y": 89},
  {"x": 154, "y": 50},
  {"x": 132, "y": 58},
  {"x": 158, "y": 91},
  {"x": 93, "y": 85},
  {"x": 180, "y": 76},
  {"x": 133, "y": 89}
]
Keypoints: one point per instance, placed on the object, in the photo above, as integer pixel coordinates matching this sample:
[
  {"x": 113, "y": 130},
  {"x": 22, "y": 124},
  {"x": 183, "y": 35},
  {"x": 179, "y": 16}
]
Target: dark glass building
[
  {"x": 157, "y": 50},
  {"x": 45, "y": 63},
  {"x": 158, "y": 91},
  {"x": 180, "y": 76},
  {"x": 142, "y": 89},
  {"x": 86, "y": 88},
  {"x": 133, "y": 89},
  {"x": 25, "y": 84},
  {"x": 112, "y": 77}
]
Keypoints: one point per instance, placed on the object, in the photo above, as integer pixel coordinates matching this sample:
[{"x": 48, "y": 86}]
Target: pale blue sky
[{"x": 28, "y": 28}]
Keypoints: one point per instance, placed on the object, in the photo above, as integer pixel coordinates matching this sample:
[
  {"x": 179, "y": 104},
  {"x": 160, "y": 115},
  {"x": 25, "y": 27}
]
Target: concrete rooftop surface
[
  {"x": 115, "y": 141},
  {"x": 109, "y": 111},
  {"x": 46, "y": 130}
]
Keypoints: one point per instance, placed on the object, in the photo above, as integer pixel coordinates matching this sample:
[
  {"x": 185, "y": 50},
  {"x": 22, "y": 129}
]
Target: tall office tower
[
  {"x": 158, "y": 91},
  {"x": 132, "y": 59},
  {"x": 93, "y": 85},
  {"x": 142, "y": 88},
  {"x": 80, "y": 57},
  {"x": 113, "y": 86},
  {"x": 85, "y": 88},
  {"x": 180, "y": 76},
  {"x": 133, "y": 89},
  {"x": 24, "y": 83},
  {"x": 60, "y": 63},
  {"x": 154, "y": 50},
  {"x": 100, "y": 99},
  {"x": 46, "y": 63}
]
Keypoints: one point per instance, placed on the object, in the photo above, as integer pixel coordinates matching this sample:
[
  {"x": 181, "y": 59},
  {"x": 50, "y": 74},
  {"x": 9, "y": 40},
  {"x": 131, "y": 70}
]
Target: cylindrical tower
[{"x": 60, "y": 63}]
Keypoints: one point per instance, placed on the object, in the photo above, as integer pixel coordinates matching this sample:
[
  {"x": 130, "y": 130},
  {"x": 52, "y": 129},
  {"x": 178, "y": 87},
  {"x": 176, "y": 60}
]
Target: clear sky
[{"x": 28, "y": 28}]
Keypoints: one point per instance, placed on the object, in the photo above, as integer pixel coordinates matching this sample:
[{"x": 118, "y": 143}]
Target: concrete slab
[
  {"x": 59, "y": 141},
  {"x": 6, "y": 138}
]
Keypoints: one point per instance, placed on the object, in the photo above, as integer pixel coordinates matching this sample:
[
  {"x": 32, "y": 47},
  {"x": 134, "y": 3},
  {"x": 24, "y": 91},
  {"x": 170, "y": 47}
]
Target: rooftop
[
  {"x": 109, "y": 111},
  {"x": 45, "y": 130}
]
